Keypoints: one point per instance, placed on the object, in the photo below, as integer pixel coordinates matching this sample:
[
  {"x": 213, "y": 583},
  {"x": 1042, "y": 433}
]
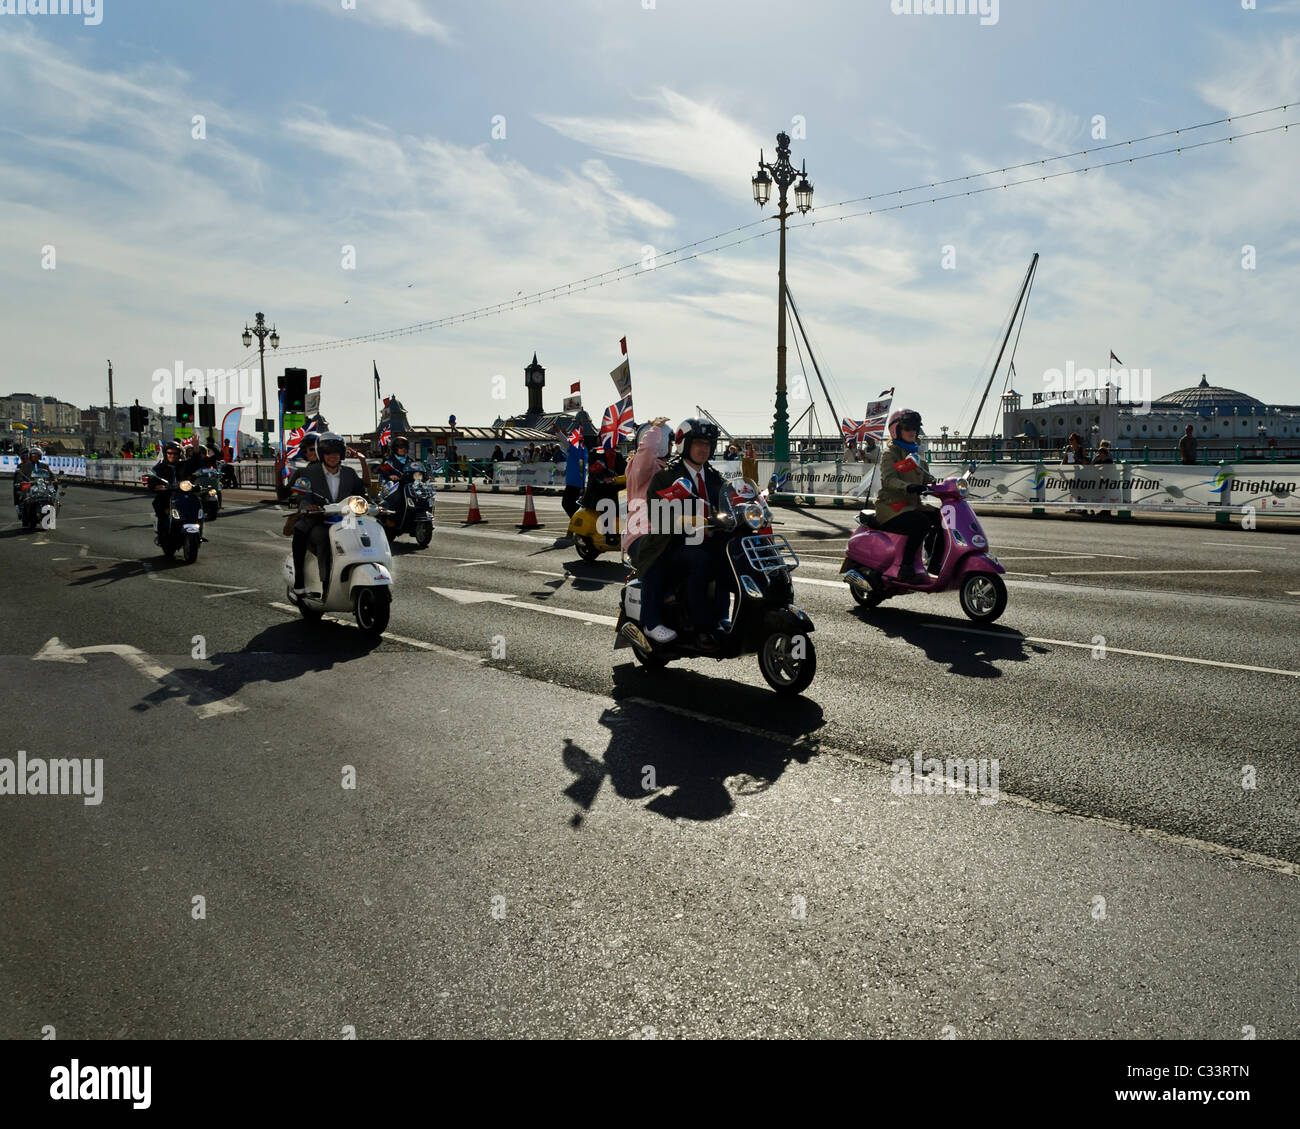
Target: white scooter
[{"x": 361, "y": 573}]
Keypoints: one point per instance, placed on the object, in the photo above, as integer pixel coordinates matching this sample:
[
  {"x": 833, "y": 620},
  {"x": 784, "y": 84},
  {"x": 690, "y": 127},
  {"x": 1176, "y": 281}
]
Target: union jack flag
[
  {"x": 617, "y": 423},
  {"x": 385, "y": 433},
  {"x": 296, "y": 436},
  {"x": 853, "y": 430},
  {"x": 575, "y": 440}
]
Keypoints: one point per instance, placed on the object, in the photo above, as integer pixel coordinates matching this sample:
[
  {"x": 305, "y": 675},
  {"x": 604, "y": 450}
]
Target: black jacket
[
  {"x": 314, "y": 476},
  {"x": 653, "y": 543}
]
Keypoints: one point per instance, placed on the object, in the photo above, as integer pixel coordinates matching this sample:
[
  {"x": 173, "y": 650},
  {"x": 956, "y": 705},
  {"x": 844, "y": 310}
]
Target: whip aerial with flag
[
  {"x": 617, "y": 424},
  {"x": 294, "y": 438},
  {"x": 385, "y": 435},
  {"x": 622, "y": 376}
]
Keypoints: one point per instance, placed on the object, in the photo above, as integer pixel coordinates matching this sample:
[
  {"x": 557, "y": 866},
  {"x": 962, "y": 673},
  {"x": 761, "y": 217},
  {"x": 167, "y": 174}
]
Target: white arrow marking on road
[
  {"x": 507, "y": 599},
  {"x": 57, "y": 651},
  {"x": 234, "y": 589}
]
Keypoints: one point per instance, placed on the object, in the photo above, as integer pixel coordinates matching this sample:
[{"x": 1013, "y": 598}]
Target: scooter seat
[{"x": 868, "y": 518}]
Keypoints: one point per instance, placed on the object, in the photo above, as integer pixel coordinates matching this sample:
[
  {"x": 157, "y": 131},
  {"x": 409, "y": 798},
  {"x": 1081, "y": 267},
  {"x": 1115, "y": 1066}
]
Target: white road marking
[
  {"x": 1062, "y": 557},
  {"x": 466, "y": 564},
  {"x": 1266, "y": 548},
  {"x": 199, "y": 583},
  {"x": 571, "y": 576},
  {"x": 1156, "y": 572},
  {"x": 1293, "y": 593},
  {"x": 508, "y": 599},
  {"x": 823, "y": 583},
  {"x": 1015, "y": 637},
  {"x": 1251, "y": 858},
  {"x": 419, "y": 644},
  {"x": 1044, "y": 549},
  {"x": 223, "y": 595},
  {"x": 57, "y": 651},
  {"x": 444, "y": 531}
]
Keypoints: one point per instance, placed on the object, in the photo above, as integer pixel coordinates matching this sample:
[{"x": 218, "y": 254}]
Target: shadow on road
[
  {"x": 682, "y": 765},
  {"x": 281, "y": 653},
  {"x": 971, "y": 655}
]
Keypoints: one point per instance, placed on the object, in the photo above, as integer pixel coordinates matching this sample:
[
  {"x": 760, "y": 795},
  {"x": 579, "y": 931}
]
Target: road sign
[{"x": 264, "y": 425}]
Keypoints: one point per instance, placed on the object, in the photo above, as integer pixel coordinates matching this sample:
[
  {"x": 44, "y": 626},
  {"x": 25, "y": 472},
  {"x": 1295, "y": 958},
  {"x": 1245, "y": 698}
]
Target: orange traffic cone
[
  {"x": 475, "y": 514},
  {"x": 530, "y": 515}
]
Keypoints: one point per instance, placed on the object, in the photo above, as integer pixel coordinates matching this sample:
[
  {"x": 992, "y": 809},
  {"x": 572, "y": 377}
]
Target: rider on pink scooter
[{"x": 903, "y": 478}]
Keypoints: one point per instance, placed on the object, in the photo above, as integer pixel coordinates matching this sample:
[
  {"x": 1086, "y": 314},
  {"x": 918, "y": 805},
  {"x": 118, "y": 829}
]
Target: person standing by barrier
[
  {"x": 1073, "y": 453},
  {"x": 1103, "y": 454},
  {"x": 1187, "y": 447},
  {"x": 749, "y": 463},
  {"x": 575, "y": 473}
]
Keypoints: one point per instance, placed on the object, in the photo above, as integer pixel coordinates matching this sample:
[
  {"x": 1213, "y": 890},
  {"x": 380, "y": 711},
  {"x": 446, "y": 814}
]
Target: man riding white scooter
[{"x": 328, "y": 480}]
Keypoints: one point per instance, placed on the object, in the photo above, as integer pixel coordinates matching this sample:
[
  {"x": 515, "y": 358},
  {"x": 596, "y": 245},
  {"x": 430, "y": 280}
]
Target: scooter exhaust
[
  {"x": 858, "y": 581},
  {"x": 633, "y": 634}
]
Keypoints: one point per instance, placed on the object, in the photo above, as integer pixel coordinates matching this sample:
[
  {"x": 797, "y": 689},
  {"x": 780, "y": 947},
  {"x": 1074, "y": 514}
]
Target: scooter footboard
[{"x": 792, "y": 621}]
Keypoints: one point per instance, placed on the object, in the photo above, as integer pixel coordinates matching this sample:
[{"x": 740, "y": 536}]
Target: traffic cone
[
  {"x": 475, "y": 514},
  {"x": 530, "y": 514}
]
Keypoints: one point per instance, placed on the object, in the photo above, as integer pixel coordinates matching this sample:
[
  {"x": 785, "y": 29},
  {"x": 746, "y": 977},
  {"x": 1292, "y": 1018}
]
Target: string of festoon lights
[{"x": 701, "y": 247}]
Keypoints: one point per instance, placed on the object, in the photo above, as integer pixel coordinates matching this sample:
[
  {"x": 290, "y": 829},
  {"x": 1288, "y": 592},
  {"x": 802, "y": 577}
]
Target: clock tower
[{"x": 534, "y": 381}]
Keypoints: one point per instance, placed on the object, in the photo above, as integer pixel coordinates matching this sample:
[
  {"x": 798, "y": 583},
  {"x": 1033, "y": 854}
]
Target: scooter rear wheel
[
  {"x": 868, "y": 600},
  {"x": 586, "y": 548},
  {"x": 785, "y": 673},
  {"x": 191, "y": 548},
  {"x": 983, "y": 596},
  {"x": 311, "y": 615}
]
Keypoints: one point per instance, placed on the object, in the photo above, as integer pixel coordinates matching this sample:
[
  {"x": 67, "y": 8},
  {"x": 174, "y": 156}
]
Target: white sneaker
[{"x": 661, "y": 634}]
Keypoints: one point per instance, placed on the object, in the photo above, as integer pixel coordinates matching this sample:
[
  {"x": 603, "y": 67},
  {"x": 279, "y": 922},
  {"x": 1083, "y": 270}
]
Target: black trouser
[
  {"x": 916, "y": 525},
  {"x": 299, "y": 553},
  {"x": 318, "y": 538},
  {"x": 570, "y": 499},
  {"x": 162, "y": 508}
]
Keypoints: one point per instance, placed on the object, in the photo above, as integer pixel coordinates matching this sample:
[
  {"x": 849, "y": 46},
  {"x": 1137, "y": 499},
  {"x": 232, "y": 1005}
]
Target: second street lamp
[
  {"x": 783, "y": 174},
  {"x": 261, "y": 332}
]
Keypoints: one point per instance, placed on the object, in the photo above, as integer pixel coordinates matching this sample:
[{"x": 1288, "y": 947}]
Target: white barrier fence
[
  {"x": 60, "y": 464},
  {"x": 1269, "y": 488},
  {"x": 528, "y": 474}
]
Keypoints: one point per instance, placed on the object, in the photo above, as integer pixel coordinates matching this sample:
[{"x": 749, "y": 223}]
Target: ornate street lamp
[
  {"x": 261, "y": 332},
  {"x": 783, "y": 174}
]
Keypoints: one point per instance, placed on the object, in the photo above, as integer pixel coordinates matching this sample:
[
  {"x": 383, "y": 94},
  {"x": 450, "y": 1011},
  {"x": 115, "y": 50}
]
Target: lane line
[
  {"x": 1157, "y": 572},
  {"x": 1045, "y": 807},
  {"x": 571, "y": 576},
  {"x": 1265, "y": 548},
  {"x": 1018, "y": 638},
  {"x": 419, "y": 644}
]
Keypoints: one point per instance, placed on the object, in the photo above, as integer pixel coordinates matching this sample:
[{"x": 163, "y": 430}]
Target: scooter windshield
[{"x": 742, "y": 498}]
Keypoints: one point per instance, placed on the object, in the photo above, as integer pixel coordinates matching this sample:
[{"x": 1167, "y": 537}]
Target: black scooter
[
  {"x": 406, "y": 505},
  {"x": 39, "y": 498},
  {"x": 183, "y": 528},
  {"x": 764, "y": 621}
]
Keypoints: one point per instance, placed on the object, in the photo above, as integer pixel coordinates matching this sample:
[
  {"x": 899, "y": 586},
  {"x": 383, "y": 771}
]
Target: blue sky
[{"x": 630, "y": 127}]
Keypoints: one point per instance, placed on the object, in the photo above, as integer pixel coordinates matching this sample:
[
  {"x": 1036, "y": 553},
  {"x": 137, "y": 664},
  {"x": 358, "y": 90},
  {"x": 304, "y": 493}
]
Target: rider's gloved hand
[{"x": 915, "y": 488}]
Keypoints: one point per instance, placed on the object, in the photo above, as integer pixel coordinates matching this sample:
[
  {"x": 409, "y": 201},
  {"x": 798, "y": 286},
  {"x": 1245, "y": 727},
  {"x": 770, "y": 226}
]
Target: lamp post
[
  {"x": 260, "y": 331},
  {"x": 783, "y": 174}
]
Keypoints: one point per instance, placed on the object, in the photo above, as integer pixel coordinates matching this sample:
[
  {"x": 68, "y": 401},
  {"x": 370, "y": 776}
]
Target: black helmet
[
  {"x": 327, "y": 443},
  {"x": 399, "y": 441},
  {"x": 691, "y": 429},
  {"x": 308, "y": 442},
  {"x": 905, "y": 417},
  {"x": 170, "y": 445}
]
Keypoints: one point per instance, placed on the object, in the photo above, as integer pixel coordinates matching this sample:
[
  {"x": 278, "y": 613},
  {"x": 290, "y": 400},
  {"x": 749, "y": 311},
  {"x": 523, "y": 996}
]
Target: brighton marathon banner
[
  {"x": 1274, "y": 488},
  {"x": 59, "y": 464}
]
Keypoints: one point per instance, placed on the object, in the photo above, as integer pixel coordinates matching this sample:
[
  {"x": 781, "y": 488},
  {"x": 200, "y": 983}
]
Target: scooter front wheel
[
  {"x": 983, "y": 596},
  {"x": 191, "y": 548},
  {"x": 586, "y": 548},
  {"x": 788, "y": 662},
  {"x": 372, "y": 607},
  {"x": 424, "y": 534}
]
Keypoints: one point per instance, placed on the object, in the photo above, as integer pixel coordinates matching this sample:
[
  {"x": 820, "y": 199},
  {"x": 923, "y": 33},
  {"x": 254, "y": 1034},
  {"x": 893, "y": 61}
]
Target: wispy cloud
[{"x": 414, "y": 16}]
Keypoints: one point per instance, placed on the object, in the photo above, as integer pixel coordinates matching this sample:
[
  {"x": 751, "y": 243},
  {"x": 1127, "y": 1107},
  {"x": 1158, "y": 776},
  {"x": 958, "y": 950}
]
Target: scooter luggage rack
[{"x": 767, "y": 552}]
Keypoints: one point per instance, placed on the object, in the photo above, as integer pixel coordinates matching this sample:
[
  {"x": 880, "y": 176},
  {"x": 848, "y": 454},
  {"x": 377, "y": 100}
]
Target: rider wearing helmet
[
  {"x": 326, "y": 481},
  {"x": 903, "y": 479},
  {"x": 31, "y": 464},
  {"x": 688, "y": 486},
  {"x": 172, "y": 468}
]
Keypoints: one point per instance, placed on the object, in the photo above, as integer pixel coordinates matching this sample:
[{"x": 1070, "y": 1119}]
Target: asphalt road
[{"x": 547, "y": 840}]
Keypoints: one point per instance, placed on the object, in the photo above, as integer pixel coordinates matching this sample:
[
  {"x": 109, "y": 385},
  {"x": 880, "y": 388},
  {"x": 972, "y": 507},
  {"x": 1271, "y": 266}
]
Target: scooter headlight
[
  {"x": 751, "y": 513},
  {"x": 187, "y": 486},
  {"x": 357, "y": 504},
  {"x": 961, "y": 489},
  {"x": 418, "y": 476}
]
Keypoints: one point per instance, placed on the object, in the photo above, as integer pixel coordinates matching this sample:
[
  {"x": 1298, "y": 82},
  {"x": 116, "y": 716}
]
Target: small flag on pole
[
  {"x": 1116, "y": 359},
  {"x": 622, "y": 344},
  {"x": 617, "y": 423},
  {"x": 887, "y": 392},
  {"x": 574, "y": 387},
  {"x": 376, "y": 380}
]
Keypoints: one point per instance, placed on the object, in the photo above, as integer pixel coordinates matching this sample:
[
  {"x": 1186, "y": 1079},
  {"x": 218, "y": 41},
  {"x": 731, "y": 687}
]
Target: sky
[{"x": 471, "y": 153}]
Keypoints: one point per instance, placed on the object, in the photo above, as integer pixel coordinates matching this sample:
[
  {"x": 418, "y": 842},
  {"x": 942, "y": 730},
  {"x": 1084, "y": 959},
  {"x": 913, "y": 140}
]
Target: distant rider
[
  {"x": 173, "y": 468},
  {"x": 903, "y": 479}
]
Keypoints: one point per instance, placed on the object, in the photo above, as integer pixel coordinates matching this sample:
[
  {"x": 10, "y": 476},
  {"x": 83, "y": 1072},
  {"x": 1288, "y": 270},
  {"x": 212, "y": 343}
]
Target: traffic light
[
  {"x": 207, "y": 412},
  {"x": 295, "y": 391},
  {"x": 185, "y": 409},
  {"x": 139, "y": 418}
]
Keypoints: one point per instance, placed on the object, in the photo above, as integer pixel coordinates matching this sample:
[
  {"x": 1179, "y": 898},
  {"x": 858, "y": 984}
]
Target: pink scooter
[{"x": 873, "y": 557}]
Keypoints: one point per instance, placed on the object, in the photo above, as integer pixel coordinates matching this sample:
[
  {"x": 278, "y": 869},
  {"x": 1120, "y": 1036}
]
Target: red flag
[
  {"x": 314, "y": 383},
  {"x": 679, "y": 491},
  {"x": 574, "y": 387},
  {"x": 904, "y": 465},
  {"x": 622, "y": 344}
]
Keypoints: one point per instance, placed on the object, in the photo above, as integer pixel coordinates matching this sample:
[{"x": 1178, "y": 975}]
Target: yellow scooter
[{"x": 590, "y": 528}]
